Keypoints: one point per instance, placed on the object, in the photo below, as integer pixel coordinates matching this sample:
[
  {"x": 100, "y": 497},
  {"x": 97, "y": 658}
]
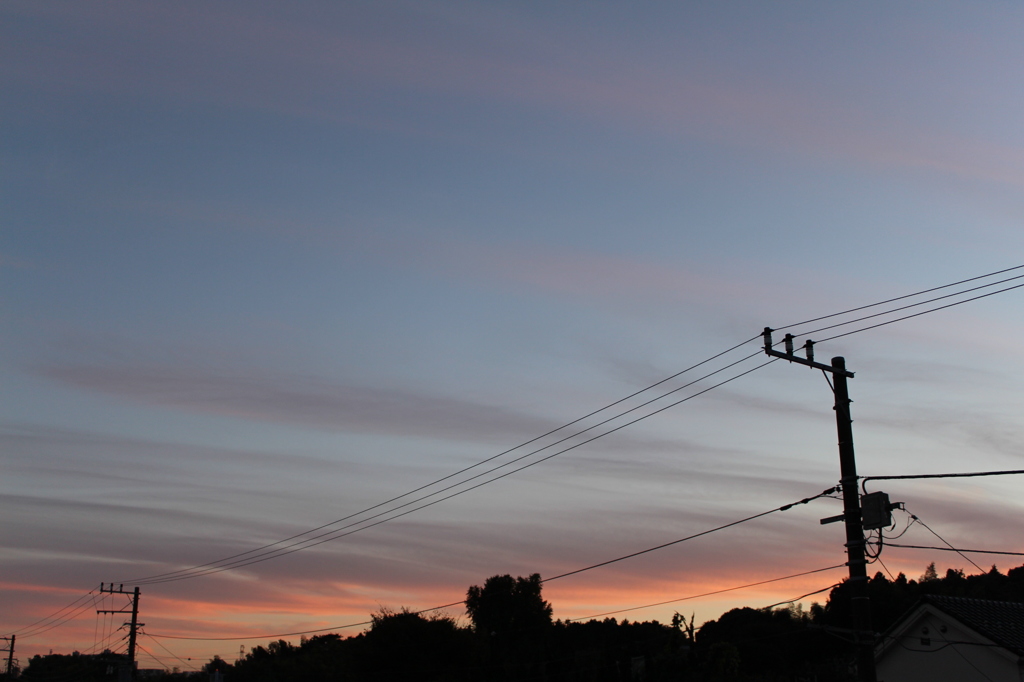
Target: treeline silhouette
[{"x": 512, "y": 636}]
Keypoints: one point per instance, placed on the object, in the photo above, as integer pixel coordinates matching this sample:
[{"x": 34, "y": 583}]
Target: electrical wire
[
  {"x": 110, "y": 631},
  {"x": 46, "y": 627},
  {"x": 192, "y": 572},
  {"x": 972, "y": 474},
  {"x": 960, "y": 551},
  {"x": 465, "y": 469},
  {"x": 622, "y": 426},
  {"x": 278, "y": 635},
  {"x": 882, "y": 538},
  {"x": 967, "y": 558},
  {"x": 706, "y": 594},
  {"x": 108, "y": 620},
  {"x": 877, "y": 542},
  {"x": 784, "y": 507},
  {"x": 166, "y": 667},
  {"x": 334, "y": 535},
  {"x": 95, "y": 633},
  {"x": 911, "y": 520},
  {"x": 267, "y": 552},
  {"x": 55, "y": 614},
  {"x": 899, "y": 298},
  {"x": 108, "y": 642},
  {"x": 914, "y": 305},
  {"x": 803, "y": 596},
  {"x": 180, "y": 660},
  {"x": 891, "y": 577},
  {"x": 923, "y": 312}
]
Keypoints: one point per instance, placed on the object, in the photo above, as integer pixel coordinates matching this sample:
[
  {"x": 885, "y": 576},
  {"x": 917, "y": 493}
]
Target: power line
[
  {"x": 180, "y": 660},
  {"x": 26, "y": 633},
  {"x": 55, "y": 614},
  {"x": 153, "y": 656},
  {"x": 644, "y": 417},
  {"x": 899, "y": 298},
  {"x": 709, "y": 594},
  {"x": 215, "y": 564},
  {"x": 784, "y": 507},
  {"x": 267, "y": 552},
  {"x": 891, "y": 576},
  {"x": 971, "y": 474},
  {"x": 219, "y": 564},
  {"x": 914, "y": 305},
  {"x": 803, "y": 596},
  {"x": 959, "y": 550},
  {"x": 334, "y": 535},
  {"x": 281, "y": 634},
  {"x": 967, "y": 558},
  {"x": 923, "y": 312}
]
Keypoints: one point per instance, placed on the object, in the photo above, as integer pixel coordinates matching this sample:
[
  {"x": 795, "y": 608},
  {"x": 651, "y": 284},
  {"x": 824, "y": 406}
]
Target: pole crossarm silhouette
[
  {"x": 134, "y": 625},
  {"x": 10, "y": 653}
]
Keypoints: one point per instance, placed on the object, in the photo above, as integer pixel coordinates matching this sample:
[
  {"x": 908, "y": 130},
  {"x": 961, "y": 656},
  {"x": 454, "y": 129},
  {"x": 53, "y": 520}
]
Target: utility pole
[
  {"x": 10, "y": 654},
  {"x": 855, "y": 545},
  {"x": 133, "y": 625}
]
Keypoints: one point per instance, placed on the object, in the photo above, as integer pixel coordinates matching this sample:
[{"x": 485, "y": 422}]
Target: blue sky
[{"x": 264, "y": 265}]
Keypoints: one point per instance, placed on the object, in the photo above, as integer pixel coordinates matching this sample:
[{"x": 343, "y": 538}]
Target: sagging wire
[
  {"x": 882, "y": 564},
  {"x": 187, "y": 664},
  {"x": 945, "y": 542}
]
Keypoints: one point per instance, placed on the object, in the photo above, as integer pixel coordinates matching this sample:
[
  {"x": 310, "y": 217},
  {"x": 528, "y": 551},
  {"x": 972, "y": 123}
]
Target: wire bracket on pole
[{"x": 792, "y": 357}]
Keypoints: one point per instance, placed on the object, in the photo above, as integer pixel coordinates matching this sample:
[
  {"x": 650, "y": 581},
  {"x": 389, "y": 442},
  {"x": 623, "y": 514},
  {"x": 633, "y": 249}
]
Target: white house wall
[{"x": 932, "y": 648}]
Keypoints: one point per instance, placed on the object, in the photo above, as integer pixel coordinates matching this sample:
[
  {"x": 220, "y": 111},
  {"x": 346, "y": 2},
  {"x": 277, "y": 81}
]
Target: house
[{"x": 954, "y": 638}]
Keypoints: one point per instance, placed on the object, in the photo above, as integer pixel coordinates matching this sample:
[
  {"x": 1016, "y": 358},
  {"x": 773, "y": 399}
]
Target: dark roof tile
[{"x": 1000, "y": 621}]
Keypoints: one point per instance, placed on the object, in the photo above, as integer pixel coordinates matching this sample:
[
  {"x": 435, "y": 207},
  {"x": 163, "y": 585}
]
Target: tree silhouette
[
  {"x": 404, "y": 645},
  {"x": 513, "y": 620},
  {"x": 506, "y": 605}
]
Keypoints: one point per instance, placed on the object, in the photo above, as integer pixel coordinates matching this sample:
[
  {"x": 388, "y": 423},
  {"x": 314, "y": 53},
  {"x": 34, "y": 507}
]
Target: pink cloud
[
  {"x": 298, "y": 400},
  {"x": 305, "y": 69}
]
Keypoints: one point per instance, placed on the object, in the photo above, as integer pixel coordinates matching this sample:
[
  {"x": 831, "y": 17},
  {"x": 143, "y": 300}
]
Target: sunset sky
[{"x": 265, "y": 265}]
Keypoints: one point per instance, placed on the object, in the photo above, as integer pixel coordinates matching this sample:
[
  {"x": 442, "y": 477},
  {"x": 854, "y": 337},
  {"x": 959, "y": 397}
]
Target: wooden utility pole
[
  {"x": 856, "y": 560},
  {"x": 10, "y": 654},
  {"x": 855, "y": 555},
  {"x": 133, "y": 626}
]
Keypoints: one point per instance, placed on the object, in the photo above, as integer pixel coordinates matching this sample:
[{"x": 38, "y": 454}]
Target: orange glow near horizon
[{"x": 258, "y": 621}]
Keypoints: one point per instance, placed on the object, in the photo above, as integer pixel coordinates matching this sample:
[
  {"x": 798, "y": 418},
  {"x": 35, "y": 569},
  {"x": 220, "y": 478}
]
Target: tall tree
[
  {"x": 507, "y": 605},
  {"x": 512, "y": 621}
]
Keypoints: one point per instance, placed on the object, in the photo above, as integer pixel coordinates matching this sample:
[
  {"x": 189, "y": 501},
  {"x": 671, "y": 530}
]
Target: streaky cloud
[{"x": 302, "y": 401}]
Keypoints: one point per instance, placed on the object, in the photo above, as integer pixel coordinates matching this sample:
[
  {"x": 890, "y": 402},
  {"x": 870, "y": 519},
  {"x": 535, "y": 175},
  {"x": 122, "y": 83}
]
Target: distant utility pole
[
  {"x": 855, "y": 544},
  {"x": 133, "y": 625},
  {"x": 10, "y": 654}
]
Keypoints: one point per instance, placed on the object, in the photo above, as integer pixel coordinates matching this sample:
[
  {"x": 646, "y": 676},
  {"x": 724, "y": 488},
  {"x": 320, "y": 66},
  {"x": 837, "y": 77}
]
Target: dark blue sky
[{"x": 265, "y": 264}]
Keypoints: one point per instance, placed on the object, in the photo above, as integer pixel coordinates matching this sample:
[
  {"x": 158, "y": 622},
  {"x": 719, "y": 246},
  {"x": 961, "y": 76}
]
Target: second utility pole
[
  {"x": 10, "y": 654},
  {"x": 133, "y": 626},
  {"x": 855, "y": 556}
]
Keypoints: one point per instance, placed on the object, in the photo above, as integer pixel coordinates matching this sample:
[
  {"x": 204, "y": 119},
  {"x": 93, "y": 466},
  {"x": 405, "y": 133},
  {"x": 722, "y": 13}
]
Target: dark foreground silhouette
[{"x": 511, "y": 637}]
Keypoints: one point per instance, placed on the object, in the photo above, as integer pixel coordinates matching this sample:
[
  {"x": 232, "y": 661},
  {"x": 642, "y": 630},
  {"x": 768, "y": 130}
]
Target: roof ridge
[{"x": 928, "y": 597}]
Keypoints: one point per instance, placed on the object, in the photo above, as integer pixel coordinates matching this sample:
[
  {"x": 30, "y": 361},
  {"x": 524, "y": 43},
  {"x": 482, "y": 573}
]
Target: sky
[{"x": 266, "y": 265}]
